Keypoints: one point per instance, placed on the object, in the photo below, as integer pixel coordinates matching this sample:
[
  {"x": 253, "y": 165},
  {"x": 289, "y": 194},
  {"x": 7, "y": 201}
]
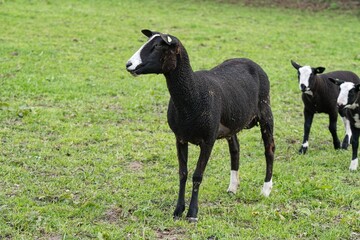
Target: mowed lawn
[{"x": 85, "y": 149}]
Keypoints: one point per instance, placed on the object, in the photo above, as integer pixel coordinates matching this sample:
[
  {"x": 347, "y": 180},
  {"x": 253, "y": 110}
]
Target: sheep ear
[
  {"x": 336, "y": 81},
  {"x": 147, "y": 32},
  {"x": 295, "y": 65},
  {"x": 169, "y": 40},
  {"x": 319, "y": 70}
]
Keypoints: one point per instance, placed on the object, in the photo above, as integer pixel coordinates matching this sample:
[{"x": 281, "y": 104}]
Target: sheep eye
[
  {"x": 352, "y": 93},
  {"x": 155, "y": 46}
]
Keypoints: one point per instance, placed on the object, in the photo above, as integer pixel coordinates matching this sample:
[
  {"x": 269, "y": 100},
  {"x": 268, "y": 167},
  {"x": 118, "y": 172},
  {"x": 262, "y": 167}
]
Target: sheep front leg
[
  {"x": 348, "y": 134},
  {"x": 307, "y": 125},
  {"x": 355, "y": 145},
  {"x": 332, "y": 129},
  {"x": 205, "y": 151},
  {"x": 182, "y": 153}
]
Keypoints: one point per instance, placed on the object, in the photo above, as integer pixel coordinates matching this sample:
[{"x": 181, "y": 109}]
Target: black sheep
[
  {"x": 349, "y": 101},
  {"x": 208, "y": 105},
  {"x": 319, "y": 96}
]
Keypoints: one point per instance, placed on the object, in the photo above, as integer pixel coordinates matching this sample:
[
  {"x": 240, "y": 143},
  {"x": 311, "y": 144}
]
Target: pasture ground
[{"x": 85, "y": 149}]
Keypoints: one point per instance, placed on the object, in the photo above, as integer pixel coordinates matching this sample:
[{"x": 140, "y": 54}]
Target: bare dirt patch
[
  {"x": 170, "y": 234},
  {"x": 135, "y": 166},
  {"x": 113, "y": 214}
]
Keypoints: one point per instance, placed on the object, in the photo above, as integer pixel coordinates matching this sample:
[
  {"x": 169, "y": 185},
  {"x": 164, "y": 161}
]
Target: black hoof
[
  {"x": 345, "y": 143},
  {"x": 192, "y": 215},
  {"x": 345, "y": 146},
  {"x": 303, "y": 150},
  {"x": 178, "y": 212}
]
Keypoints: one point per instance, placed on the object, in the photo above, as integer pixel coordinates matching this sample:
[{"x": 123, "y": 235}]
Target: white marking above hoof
[
  {"x": 266, "y": 190},
  {"x": 234, "y": 182},
  {"x": 192, "y": 219},
  {"x": 354, "y": 164}
]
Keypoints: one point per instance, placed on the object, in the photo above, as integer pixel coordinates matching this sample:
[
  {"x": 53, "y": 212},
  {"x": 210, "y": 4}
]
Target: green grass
[{"x": 86, "y": 152}]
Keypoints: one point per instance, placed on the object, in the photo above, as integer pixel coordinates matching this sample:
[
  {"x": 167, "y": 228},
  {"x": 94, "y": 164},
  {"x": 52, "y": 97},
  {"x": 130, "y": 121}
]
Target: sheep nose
[
  {"x": 340, "y": 106},
  {"x": 128, "y": 64},
  {"x": 302, "y": 87}
]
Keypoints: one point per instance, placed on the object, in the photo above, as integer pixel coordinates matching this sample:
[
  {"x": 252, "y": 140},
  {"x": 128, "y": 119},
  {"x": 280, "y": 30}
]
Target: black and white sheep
[
  {"x": 208, "y": 105},
  {"x": 349, "y": 101},
  {"x": 319, "y": 96}
]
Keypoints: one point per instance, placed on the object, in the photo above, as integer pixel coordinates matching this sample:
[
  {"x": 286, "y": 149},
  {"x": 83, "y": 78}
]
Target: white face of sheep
[
  {"x": 346, "y": 91},
  {"x": 348, "y": 94},
  {"x": 306, "y": 76},
  {"x": 155, "y": 56}
]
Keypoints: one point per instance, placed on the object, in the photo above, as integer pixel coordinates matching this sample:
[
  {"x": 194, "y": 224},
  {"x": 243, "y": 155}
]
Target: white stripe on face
[
  {"x": 304, "y": 76},
  {"x": 344, "y": 93},
  {"x": 135, "y": 60}
]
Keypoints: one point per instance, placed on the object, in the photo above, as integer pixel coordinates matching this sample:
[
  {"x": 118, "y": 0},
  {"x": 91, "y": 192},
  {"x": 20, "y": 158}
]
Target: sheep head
[
  {"x": 306, "y": 76},
  {"x": 157, "y": 55}
]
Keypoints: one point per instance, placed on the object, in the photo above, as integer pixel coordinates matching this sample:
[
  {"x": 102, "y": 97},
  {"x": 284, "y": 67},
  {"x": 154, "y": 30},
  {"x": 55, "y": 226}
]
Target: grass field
[{"x": 85, "y": 149}]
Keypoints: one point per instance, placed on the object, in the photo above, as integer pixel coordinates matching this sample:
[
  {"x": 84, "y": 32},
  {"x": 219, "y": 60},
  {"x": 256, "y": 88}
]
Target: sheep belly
[{"x": 223, "y": 131}]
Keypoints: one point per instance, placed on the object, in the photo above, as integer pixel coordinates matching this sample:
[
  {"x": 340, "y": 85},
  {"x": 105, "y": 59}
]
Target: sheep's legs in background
[
  {"x": 355, "y": 145},
  {"x": 234, "y": 150},
  {"x": 266, "y": 126},
  {"x": 182, "y": 153},
  {"x": 346, "y": 142},
  {"x": 307, "y": 125},
  {"x": 332, "y": 129},
  {"x": 205, "y": 151}
]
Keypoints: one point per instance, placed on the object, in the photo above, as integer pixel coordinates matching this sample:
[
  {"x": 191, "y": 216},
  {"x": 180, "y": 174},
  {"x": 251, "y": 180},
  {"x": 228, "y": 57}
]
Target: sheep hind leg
[
  {"x": 234, "y": 149},
  {"x": 266, "y": 126}
]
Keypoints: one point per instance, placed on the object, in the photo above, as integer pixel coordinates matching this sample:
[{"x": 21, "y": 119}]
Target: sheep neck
[
  {"x": 318, "y": 81},
  {"x": 182, "y": 87}
]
